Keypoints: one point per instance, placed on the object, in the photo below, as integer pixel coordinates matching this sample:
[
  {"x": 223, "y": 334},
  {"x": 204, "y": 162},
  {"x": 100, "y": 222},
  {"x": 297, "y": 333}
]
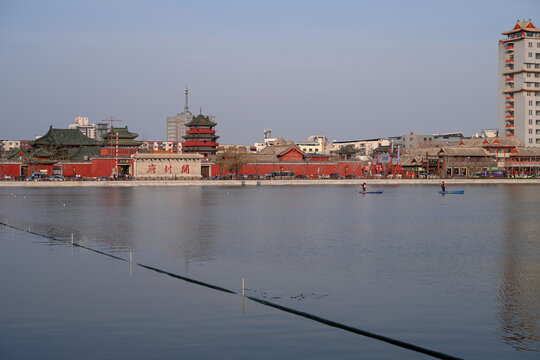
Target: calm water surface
[{"x": 459, "y": 274}]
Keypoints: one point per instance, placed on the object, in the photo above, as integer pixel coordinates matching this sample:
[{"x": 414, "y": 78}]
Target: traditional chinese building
[
  {"x": 200, "y": 137},
  {"x": 163, "y": 166},
  {"x": 60, "y": 141},
  {"x": 121, "y": 138}
]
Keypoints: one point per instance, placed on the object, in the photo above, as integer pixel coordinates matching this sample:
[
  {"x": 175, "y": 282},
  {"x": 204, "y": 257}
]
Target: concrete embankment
[{"x": 355, "y": 182}]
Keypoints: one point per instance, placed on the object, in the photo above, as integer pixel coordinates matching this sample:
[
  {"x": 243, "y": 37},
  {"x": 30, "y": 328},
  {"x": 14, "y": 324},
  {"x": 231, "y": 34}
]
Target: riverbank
[{"x": 356, "y": 182}]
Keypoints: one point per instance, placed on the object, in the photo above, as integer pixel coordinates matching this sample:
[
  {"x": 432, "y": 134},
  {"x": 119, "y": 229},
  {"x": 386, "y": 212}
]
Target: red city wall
[{"x": 311, "y": 169}]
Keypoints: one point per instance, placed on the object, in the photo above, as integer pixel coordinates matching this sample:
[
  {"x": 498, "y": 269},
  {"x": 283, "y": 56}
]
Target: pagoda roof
[
  {"x": 347, "y": 150},
  {"x": 123, "y": 133},
  {"x": 85, "y": 153},
  {"x": 463, "y": 151},
  {"x": 201, "y": 120},
  {"x": 42, "y": 153},
  {"x": 40, "y": 156},
  {"x": 522, "y": 26},
  {"x": 64, "y": 137},
  {"x": 492, "y": 142},
  {"x": 200, "y": 136}
]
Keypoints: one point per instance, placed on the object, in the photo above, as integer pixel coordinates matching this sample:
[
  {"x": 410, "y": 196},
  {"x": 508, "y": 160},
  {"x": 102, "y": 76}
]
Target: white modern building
[
  {"x": 519, "y": 83},
  {"x": 8, "y": 145},
  {"x": 315, "y": 144},
  {"x": 81, "y": 123},
  {"x": 170, "y": 146}
]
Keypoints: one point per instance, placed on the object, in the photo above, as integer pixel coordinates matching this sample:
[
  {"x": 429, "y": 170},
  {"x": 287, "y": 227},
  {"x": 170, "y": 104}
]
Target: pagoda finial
[
  {"x": 200, "y": 111},
  {"x": 186, "y": 106}
]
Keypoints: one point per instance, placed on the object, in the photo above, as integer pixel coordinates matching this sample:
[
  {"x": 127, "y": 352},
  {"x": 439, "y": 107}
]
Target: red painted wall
[
  {"x": 12, "y": 170},
  {"x": 310, "y": 169}
]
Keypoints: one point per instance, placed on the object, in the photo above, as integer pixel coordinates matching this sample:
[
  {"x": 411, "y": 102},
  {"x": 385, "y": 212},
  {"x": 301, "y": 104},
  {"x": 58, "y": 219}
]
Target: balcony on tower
[
  {"x": 509, "y": 98},
  {"x": 510, "y": 116},
  {"x": 509, "y": 47},
  {"x": 509, "y": 79},
  {"x": 509, "y": 126},
  {"x": 510, "y": 61},
  {"x": 510, "y": 108}
]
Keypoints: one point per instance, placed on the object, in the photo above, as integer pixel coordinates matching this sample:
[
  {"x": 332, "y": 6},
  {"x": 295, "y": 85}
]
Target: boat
[
  {"x": 452, "y": 192},
  {"x": 371, "y": 192}
]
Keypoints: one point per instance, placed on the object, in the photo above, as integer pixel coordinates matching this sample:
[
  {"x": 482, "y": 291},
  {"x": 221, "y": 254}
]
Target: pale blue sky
[{"x": 344, "y": 69}]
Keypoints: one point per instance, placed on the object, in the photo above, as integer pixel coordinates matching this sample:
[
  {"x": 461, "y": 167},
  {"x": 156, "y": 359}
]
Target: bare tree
[{"x": 232, "y": 160}]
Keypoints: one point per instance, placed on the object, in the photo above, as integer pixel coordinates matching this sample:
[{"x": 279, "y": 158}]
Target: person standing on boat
[
  {"x": 443, "y": 186},
  {"x": 364, "y": 186}
]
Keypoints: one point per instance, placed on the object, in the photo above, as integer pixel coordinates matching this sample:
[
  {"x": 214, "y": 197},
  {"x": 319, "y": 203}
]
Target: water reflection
[{"x": 519, "y": 291}]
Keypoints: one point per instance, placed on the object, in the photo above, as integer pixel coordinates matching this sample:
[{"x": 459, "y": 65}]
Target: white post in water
[
  {"x": 28, "y": 228},
  {"x": 71, "y": 239},
  {"x": 242, "y": 286},
  {"x": 130, "y": 257}
]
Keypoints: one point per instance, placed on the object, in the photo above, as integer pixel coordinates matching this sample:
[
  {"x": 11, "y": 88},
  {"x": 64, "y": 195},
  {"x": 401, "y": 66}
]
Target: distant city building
[
  {"x": 365, "y": 147},
  {"x": 416, "y": 140},
  {"x": 7, "y": 145},
  {"x": 170, "y": 146},
  {"x": 101, "y": 131},
  {"x": 176, "y": 125},
  {"x": 81, "y": 123},
  {"x": 316, "y": 144},
  {"x": 519, "y": 83},
  {"x": 489, "y": 133}
]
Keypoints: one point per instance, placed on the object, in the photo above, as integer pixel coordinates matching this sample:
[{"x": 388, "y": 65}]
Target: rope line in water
[
  {"x": 331, "y": 323},
  {"x": 402, "y": 344}
]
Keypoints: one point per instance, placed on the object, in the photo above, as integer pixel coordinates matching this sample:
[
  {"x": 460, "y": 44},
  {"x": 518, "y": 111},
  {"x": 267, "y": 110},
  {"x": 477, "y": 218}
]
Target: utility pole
[{"x": 111, "y": 120}]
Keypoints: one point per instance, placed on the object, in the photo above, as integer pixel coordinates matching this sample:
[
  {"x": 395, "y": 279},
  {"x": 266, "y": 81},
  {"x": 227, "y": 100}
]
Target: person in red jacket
[
  {"x": 364, "y": 186},
  {"x": 443, "y": 186}
]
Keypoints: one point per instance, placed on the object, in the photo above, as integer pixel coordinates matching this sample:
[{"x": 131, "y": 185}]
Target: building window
[
  {"x": 530, "y": 102},
  {"x": 530, "y": 141},
  {"x": 538, "y": 103},
  {"x": 530, "y": 43},
  {"x": 530, "y": 54},
  {"x": 530, "y": 122},
  {"x": 530, "y": 131},
  {"x": 530, "y": 112}
]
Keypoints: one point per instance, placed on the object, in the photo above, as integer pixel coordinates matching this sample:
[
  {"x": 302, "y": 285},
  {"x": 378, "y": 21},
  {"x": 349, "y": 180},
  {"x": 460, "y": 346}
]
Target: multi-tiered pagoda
[{"x": 200, "y": 136}]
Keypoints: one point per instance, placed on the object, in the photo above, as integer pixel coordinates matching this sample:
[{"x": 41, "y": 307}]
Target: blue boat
[
  {"x": 371, "y": 192},
  {"x": 452, "y": 192}
]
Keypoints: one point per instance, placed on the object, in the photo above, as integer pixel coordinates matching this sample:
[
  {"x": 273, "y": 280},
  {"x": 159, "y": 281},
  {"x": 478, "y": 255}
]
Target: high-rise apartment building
[
  {"x": 81, "y": 123},
  {"x": 519, "y": 83},
  {"x": 176, "y": 125}
]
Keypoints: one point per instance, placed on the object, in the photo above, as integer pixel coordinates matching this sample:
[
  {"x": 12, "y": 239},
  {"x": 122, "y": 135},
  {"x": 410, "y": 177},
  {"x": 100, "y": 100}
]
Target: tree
[
  {"x": 232, "y": 160},
  {"x": 59, "y": 151}
]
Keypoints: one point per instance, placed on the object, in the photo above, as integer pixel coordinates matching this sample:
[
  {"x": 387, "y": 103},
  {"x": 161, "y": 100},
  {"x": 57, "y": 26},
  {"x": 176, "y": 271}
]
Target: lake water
[{"x": 457, "y": 274}]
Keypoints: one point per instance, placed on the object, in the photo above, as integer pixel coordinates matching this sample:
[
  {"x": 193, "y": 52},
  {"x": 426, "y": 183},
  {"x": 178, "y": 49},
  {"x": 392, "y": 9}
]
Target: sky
[{"x": 344, "y": 69}]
